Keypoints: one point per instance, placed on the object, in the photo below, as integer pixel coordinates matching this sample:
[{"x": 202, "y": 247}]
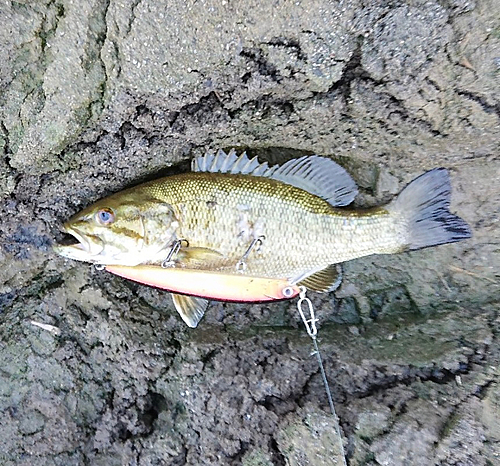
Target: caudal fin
[{"x": 424, "y": 206}]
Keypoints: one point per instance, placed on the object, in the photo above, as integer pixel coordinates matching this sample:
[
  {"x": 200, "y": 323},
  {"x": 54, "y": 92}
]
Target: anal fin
[
  {"x": 190, "y": 308},
  {"x": 324, "y": 281}
]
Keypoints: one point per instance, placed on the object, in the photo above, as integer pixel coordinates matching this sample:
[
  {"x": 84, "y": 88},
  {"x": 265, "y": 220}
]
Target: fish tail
[{"x": 424, "y": 207}]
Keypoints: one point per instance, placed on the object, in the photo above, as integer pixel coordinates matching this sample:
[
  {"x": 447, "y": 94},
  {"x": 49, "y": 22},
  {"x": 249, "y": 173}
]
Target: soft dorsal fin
[
  {"x": 325, "y": 280},
  {"x": 314, "y": 174},
  {"x": 190, "y": 308}
]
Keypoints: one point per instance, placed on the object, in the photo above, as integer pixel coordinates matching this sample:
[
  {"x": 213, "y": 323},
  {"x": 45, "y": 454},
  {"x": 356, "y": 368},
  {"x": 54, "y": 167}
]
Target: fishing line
[{"x": 312, "y": 331}]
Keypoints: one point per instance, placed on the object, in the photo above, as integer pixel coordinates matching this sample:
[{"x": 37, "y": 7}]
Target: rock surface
[{"x": 99, "y": 94}]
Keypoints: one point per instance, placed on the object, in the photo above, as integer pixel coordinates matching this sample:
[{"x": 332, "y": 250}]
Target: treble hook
[
  {"x": 176, "y": 246},
  {"x": 241, "y": 264}
]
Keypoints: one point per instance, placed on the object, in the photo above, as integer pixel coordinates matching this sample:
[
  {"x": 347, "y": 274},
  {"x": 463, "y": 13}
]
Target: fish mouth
[{"x": 86, "y": 247}]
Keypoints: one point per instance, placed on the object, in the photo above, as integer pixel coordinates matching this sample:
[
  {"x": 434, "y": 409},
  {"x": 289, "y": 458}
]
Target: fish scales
[{"x": 302, "y": 231}]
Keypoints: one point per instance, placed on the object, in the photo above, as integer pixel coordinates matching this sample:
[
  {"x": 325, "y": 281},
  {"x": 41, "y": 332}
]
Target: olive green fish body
[{"x": 302, "y": 232}]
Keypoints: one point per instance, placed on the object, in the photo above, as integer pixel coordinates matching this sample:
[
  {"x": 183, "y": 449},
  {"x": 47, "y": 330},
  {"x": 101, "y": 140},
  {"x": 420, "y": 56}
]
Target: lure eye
[
  {"x": 287, "y": 292},
  {"x": 105, "y": 216}
]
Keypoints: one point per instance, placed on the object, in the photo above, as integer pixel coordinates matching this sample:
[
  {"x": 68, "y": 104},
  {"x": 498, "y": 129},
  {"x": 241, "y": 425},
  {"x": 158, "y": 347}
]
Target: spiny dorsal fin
[
  {"x": 190, "y": 308},
  {"x": 314, "y": 174},
  {"x": 229, "y": 163},
  {"x": 325, "y": 280}
]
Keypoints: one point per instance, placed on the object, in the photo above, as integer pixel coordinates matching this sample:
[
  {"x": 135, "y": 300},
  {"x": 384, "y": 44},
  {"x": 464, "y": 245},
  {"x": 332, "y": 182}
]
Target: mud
[{"x": 98, "y": 95}]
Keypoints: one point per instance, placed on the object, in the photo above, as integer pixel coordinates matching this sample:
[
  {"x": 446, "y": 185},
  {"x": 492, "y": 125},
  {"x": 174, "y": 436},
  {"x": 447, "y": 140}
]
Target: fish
[{"x": 237, "y": 216}]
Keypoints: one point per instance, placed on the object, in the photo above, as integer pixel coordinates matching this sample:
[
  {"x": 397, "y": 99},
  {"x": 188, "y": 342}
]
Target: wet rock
[
  {"x": 308, "y": 437},
  {"x": 99, "y": 95}
]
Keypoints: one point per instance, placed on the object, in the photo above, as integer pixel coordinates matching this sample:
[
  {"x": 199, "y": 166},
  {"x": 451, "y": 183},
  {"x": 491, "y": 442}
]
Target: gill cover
[{"x": 127, "y": 228}]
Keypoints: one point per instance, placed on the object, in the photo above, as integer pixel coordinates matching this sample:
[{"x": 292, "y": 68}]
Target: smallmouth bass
[{"x": 288, "y": 222}]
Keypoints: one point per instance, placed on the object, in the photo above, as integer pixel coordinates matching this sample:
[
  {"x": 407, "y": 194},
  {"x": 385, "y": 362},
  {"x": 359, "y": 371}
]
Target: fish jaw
[
  {"x": 97, "y": 249},
  {"x": 88, "y": 248}
]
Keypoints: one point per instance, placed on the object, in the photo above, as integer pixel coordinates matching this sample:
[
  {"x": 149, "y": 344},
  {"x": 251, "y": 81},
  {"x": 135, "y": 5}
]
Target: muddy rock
[{"x": 100, "y": 95}]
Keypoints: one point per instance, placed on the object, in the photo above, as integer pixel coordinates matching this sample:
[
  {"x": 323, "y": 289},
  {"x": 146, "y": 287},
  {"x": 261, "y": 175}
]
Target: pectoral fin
[
  {"x": 325, "y": 280},
  {"x": 190, "y": 308},
  {"x": 193, "y": 257}
]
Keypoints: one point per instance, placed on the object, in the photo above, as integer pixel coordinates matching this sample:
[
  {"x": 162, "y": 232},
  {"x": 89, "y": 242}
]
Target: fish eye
[
  {"x": 105, "y": 216},
  {"x": 287, "y": 292}
]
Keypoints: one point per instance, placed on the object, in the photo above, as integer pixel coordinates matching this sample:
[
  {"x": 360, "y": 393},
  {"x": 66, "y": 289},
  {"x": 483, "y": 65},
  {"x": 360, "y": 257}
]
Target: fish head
[{"x": 128, "y": 228}]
